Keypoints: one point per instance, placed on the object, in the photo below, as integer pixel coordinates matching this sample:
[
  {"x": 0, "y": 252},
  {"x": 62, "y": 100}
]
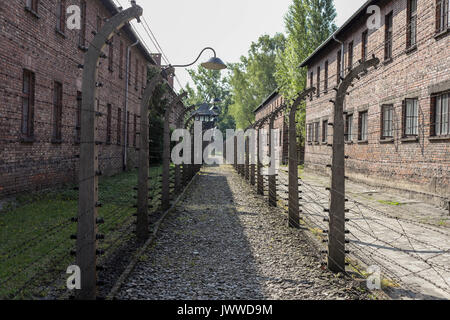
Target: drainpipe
[
  {"x": 342, "y": 56},
  {"x": 125, "y": 145}
]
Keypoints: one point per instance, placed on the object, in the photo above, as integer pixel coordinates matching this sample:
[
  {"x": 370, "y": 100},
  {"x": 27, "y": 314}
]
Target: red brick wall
[
  {"x": 279, "y": 123},
  {"x": 421, "y": 165},
  {"x": 30, "y": 42}
]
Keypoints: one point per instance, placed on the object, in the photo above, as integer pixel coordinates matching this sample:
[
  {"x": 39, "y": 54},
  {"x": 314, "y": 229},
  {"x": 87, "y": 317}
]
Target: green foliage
[
  {"x": 253, "y": 78},
  {"x": 308, "y": 24}
]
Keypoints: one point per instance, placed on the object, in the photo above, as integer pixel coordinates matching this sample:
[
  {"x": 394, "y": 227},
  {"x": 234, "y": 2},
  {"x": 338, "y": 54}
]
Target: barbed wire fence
[{"x": 354, "y": 236}]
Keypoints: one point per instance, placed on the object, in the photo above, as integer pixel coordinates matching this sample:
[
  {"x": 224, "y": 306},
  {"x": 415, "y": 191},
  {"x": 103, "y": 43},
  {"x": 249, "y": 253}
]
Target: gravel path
[{"x": 224, "y": 242}]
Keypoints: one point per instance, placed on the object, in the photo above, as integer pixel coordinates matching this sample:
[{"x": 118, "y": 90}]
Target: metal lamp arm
[{"x": 188, "y": 65}]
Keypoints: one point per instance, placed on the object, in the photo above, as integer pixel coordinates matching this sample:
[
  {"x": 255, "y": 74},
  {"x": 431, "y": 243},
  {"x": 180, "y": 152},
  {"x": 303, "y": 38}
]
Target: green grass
[
  {"x": 35, "y": 233},
  {"x": 390, "y": 203}
]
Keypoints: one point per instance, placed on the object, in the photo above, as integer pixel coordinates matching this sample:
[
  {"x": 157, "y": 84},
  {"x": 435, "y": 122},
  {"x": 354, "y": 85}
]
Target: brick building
[
  {"x": 397, "y": 116},
  {"x": 40, "y": 92},
  {"x": 273, "y": 101}
]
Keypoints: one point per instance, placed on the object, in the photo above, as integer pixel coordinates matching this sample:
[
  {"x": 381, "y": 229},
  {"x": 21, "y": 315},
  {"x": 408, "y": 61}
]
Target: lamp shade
[{"x": 214, "y": 64}]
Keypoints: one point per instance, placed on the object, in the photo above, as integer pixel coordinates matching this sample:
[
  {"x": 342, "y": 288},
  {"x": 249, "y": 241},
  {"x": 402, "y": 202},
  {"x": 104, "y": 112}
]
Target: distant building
[
  {"x": 272, "y": 102},
  {"x": 397, "y": 119},
  {"x": 206, "y": 113}
]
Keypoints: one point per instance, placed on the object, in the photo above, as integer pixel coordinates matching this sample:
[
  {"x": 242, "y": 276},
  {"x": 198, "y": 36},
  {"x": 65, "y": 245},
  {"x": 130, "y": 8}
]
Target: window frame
[
  {"x": 339, "y": 66},
  {"x": 61, "y": 16},
  {"x": 387, "y": 132},
  {"x": 325, "y": 84},
  {"x": 364, "y": 45},
  {"x": 350, "y": 55},
  {"x": 32, "y": 6},
  {"x": 57, "y": 112},
  {"x": 388, "y": 36},
  {"x": 108, "y": 123},
  {"x": 28, "y": 95},
  {"x": 442, "y": 22},
  {"x": 119, "y": 126},
  {"x": 413, "y": 119},
  {"x": 363, "y": 126},
  {"x": 444, "y": 117},
  {"x": 348, "y": 128},
  {"x": 325, "y": 131},
  {"x": 83, "y": 30},
  {"x": 318, "y": 82},
  {"x": 411, "y": 39},
  {"x": 111, "y": 55}
]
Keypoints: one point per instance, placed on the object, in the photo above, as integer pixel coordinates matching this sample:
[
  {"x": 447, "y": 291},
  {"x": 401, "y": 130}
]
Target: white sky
[{"x": 184, "y": 27}]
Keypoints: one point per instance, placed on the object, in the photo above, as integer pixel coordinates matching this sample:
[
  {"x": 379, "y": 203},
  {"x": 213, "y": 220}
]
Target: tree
[
  {"x": 211, "y": 85},
  {"x": 253, "y": 78},
  {"x": 308, "y": 24}
]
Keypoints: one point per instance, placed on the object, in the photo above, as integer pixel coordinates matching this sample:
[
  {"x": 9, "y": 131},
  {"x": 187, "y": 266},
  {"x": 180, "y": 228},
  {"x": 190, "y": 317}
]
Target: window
[
  {"x": 119, "y": 126},
  {"x": 111, "y": 55},
  {"x": 129, "y": 69},
  {"x": 349, "y": 127},
  {"x": 364, "y": 44},
  {"x": 442, "y": 15},
  {"x": 387, "y": 121},
  {"x": 135, "y": 131},
  {"x": 318, "y": 82},
  {"x": 350, "y": 56},
  {"x": 61, "y": 16},
  {"x": 121, "y": 60},
  {"x": 316, "y": 132},
  {"x": 28, "y": 104},
  {"x": 339, "y": 64},
  {"x": 411, "y": 34},
  {"x": 311, "y": 83},
  {"x": 57, "y": 111},
  {"x": 325, "y": 131},
  {"x": 32, "y": 5},
  {"x": 78, "y": 119},
  {"x": 410, "y": 117},
  {"x": 136, "y": 75},
  {"x": 363, "y": 131},
  {"x": 309, "y": 133},
  {"x": 388, "y": 36},
  {"x": 82, "y": 39},
  {"x": 108, "y": 123},
  {"x": 325, "y": 84},
  {"x": 441, "y": 107}
]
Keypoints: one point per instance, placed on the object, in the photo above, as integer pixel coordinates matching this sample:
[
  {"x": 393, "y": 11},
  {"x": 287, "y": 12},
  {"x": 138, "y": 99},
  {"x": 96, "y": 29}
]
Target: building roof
[
  {"x": 361, "y": 12},
  {"x": 204, "y": 110},
  {"x": 267, "y": 100},
  {"x": 111, "y": 6}
]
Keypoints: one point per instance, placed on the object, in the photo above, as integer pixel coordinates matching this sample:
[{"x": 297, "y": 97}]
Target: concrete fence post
[
  {"x": 336, "y": 233},
  {"x": 142, "y": 231},
  {"x": 86, "y": 246}
]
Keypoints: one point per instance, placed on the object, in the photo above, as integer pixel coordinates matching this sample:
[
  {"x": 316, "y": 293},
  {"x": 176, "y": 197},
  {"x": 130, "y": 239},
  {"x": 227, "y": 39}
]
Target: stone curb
[{"x": 134, "y": 260}]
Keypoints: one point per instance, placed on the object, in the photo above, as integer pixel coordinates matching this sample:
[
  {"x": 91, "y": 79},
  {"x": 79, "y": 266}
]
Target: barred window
[
  {"x": 442, "y": 114},
  {"x": 32, "y": 5},
  {"x": 61, "y": 15},
  {"x": 316, "y": 132},
  {"x": 411, "y": 117},
  {"x": 388, "y": 36},
  {"x": 28, "y": 93},
  {"x": 364, "y": 44},
  {"x": 82, "y": 38},
  {"x": 349, "y": 127},
  {"x": 108, "y": 123},
  {"x": 119, "y": 126},
  {"x": 363, "y": 131},
  {"x": 324, "y": 131},
  {"x": 442, "y": 15},
  {"x": 325, "y": 84},
  {"x": 57, "y": 111},
  {"x": 387, "y": 121},
  {"x": 411, "y": 39},
  {"x": 78, "y": 118}
]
